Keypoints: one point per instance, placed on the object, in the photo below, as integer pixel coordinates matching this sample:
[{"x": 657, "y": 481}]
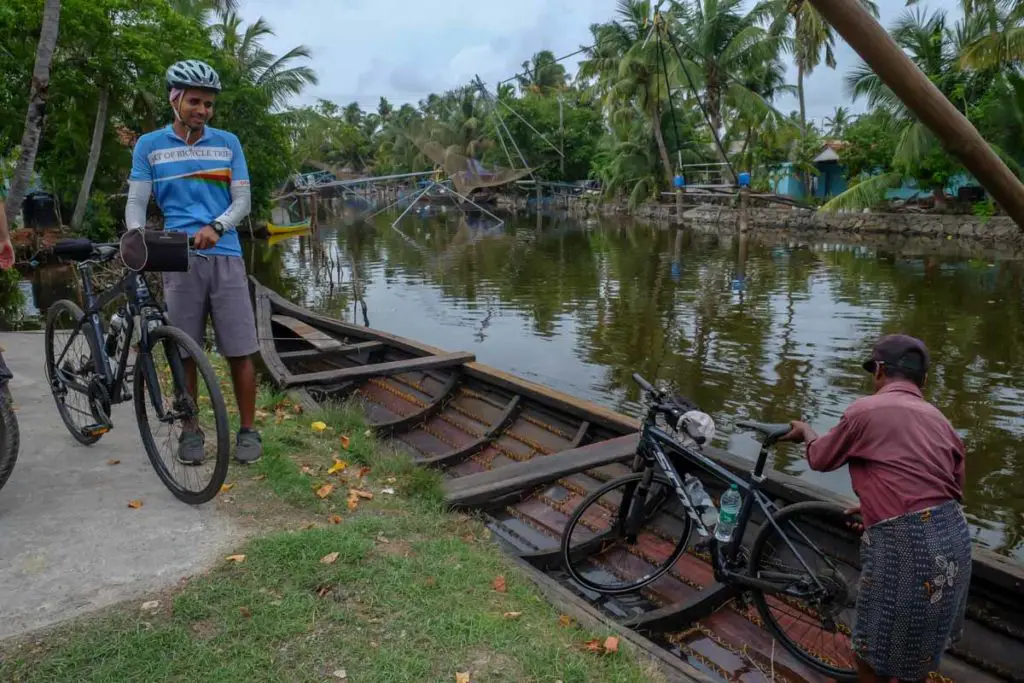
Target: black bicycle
[
  {"x": 9, "y": 436},
  {"x": 645, "y": 519},
  {"x": 89, "y": 372}
]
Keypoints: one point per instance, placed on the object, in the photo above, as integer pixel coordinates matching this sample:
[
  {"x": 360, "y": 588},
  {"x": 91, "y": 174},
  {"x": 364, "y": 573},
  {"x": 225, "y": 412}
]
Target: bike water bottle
[{"x": 728, "y": 513}]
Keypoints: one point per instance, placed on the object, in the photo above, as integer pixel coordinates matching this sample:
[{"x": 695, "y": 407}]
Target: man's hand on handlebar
[{"x": 206, "y": 238}]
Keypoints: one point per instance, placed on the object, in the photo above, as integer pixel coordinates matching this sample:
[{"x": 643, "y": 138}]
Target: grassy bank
[{"x": 374, "y": 581}]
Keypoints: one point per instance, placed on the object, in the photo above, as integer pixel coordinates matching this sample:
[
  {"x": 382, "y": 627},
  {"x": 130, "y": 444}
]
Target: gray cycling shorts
[{"x": 214, "y": 286}]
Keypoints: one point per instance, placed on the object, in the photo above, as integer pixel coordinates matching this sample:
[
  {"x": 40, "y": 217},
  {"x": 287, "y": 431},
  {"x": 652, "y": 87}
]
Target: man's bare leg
[{"x": 243, "y": 377}]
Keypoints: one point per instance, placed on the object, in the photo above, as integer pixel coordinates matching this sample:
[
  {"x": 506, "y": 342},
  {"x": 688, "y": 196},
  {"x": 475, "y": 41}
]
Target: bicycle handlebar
[{"x": 645, "y": 385}]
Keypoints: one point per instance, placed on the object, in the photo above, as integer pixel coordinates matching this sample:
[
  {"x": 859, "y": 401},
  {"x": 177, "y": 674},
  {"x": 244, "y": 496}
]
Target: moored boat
[
  {"x": 525, "y": 455},
  {"x": 284, "y": 229}
]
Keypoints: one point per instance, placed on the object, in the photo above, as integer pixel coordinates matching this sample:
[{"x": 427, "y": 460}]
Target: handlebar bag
[{"x": 155, "y": 251}]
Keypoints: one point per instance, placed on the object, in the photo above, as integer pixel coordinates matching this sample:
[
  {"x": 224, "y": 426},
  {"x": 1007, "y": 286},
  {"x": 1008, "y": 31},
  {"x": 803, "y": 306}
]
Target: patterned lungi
[{"x": 915, "y": 572}]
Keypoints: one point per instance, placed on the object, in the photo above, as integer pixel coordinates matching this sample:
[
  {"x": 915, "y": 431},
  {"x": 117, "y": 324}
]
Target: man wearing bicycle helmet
[
  {"x": 907, "y": 467},
  {"x": 201, "y": 183}
]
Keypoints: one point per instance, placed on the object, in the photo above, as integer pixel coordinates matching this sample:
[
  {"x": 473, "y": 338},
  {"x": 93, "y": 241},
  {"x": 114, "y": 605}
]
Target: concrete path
[{"x": 69, "y": 543}]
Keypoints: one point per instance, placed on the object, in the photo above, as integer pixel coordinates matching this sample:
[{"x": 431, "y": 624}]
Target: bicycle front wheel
[
  {"x": 171, "y": 414},
  {"x": 817, "y": 628},
  {"x": 600, "y": 555},
  {"x": 9, "y": 435}
]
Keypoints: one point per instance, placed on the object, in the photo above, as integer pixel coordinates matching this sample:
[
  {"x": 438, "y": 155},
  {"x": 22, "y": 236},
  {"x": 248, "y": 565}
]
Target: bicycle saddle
[{"x": 769, "y": 430}]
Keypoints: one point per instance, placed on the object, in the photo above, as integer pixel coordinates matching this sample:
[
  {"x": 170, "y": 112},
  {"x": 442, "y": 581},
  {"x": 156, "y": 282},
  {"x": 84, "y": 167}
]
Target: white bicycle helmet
[{"x": 192, "y": 73}]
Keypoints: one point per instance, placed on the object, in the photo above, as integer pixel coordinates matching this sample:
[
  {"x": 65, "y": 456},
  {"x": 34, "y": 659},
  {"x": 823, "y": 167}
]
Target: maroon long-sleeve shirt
[{"x": 903, "y": 453}]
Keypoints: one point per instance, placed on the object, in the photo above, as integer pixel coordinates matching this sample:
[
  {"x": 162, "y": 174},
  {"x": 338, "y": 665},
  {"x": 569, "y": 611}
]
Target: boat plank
[
  {"x": 484, "y": 487},
  {"x": 422, "y": 414},
  {"x": 341, "y": 350},
  {"x": 380, "y": 369},
  {"x": 308, "y": 333}
]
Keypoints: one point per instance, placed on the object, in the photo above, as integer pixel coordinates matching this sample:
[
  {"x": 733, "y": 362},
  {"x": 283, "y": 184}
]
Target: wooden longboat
[{"x": 524, "y": 455}]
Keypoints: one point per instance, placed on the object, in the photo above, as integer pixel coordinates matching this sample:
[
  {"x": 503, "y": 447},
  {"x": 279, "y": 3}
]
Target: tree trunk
[
  {"x": 36, "y": 108},
  {"x": 667, "y": 163},
  {"x": 803, "y": 103},
  {"x": 99, "y": 127}
]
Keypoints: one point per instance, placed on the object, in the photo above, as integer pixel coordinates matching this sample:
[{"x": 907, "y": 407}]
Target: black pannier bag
[{"x": 155, "y": 251}]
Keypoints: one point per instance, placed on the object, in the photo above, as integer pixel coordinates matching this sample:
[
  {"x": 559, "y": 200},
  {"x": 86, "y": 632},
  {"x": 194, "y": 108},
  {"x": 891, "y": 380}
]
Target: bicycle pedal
[{"x": 95, "y": 430}]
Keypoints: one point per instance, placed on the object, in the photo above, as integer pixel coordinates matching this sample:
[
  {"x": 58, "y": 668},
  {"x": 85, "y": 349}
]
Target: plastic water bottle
[
  {"x": 728, "y": 514},
  {"x": 700, "y": 499}
]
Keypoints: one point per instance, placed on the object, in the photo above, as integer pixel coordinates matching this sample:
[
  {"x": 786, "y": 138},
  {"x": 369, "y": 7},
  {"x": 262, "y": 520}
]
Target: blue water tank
[
  {"x": 744, "y": 179},
  {"x": 679, "y": 181}
]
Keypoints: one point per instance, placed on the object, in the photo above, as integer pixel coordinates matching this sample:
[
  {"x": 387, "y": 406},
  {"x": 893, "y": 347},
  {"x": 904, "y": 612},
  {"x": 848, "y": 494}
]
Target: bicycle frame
[
  {"x": 654, "y": 442},
  {"x": 141, "y": 303}
]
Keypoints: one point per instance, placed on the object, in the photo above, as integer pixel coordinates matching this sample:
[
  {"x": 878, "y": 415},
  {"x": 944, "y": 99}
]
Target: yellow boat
[
  {"x": 277, "y": 239},
  {"x": 275, "y": 229}
]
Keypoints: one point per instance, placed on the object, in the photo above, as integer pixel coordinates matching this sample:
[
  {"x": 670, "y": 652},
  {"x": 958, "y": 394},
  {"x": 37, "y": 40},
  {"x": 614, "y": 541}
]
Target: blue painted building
[{"x": 831, "y": 180}]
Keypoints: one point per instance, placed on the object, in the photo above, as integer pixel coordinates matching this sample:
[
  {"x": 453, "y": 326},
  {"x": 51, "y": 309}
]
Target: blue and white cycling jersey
[{"x": 192, "y": 183}]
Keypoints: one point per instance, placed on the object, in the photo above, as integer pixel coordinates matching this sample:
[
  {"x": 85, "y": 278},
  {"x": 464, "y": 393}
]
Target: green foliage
[{"x": 871, "y": 143}]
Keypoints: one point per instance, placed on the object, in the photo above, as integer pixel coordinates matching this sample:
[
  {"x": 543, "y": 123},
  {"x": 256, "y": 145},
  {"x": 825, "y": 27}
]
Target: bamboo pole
[{"x": 876, "y": 47}]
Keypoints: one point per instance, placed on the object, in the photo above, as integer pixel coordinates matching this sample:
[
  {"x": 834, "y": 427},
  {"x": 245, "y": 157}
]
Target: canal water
[{"x": 766, "y": 328}]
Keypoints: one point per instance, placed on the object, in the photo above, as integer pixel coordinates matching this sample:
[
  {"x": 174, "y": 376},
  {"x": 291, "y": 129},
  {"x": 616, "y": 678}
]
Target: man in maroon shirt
[{"x": 907, "y": 468}]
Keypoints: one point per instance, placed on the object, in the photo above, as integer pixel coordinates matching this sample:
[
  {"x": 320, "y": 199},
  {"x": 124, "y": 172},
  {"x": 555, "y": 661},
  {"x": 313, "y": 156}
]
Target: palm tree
[
  {"x": 718, "y": 43},
  {"x": 275, "y": 75},
  {"x": 631, "y": 70},
  {"x": 838, "y": 122},
  {"x": 814, "y": 39},
  {"x": 544, "y": 75},
  {"x": 38, "y": 93},
  {"x": 201, "y": 9},
  {"x": 1000, "y": 43}
]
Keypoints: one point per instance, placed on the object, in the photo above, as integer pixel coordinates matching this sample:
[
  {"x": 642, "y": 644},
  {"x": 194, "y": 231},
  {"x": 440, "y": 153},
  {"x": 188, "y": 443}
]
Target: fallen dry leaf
[
  {"x": 226, "y": 487},
  {"x": 297, "y": 409},
  {"x": 611, "y": 644},
  {"x": 235, "y": 558},
  {"x": 345, "y": 442},
  {"x": 323, "y": 590},
  {"x": 430, "y": 581},
  {"x": 151, "y": 605},
  {"x": 388, "y": 491},
  {"x": 462, "y": 677},
  {"x": 363, "y": 471},
  {"x": 341, "y": 673},
  {"x": 338, "y": 466},
  {"x": 335, "y": 519},
  {"x": 565, "y": 621},
  {"x": 353, "y": 501},
  {"x": 308, "y": 525},
  {"x": 330, "y": 558},
  {"x": 499, "y": 584},
  {"x": 112, "y": 461},
  {"x": 361, "y": 494},
  {"x": 244, "y": 611},
  {"x": 512, "y": 615},
  {"x": 324, "y": 490},
  {"x": 306, "y": 469},
  {"x": 134, "y": 504},
  {"x": 319, "y": 426},
  {"x": 592, "y": 645},
  {"x": 259, "y": 477}
]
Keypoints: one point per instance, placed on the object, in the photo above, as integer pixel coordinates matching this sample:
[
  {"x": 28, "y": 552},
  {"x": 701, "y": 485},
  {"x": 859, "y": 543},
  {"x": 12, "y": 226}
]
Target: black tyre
[
  {"x": 595, "y": 550},
  {"x": 10, "y": 439},
  {"x": 191, "y": 483},
  {"x": 824, "y": 641},
  {"x": 68, "y": 345}
]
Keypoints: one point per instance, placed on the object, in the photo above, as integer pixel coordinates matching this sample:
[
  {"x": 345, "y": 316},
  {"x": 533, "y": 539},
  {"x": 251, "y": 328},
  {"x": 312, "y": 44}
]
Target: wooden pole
[{"x": 876, "y": 47}]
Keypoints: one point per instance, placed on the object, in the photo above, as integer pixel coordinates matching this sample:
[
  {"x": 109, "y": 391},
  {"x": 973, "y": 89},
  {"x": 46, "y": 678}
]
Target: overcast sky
[{"x": 406, "y": 49}]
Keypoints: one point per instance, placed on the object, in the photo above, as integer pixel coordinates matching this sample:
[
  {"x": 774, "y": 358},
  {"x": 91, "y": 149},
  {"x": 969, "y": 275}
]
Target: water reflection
[{"x": 768, "y": 328}]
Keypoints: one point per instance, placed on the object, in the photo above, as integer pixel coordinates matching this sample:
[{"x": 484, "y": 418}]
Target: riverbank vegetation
[
  {"x": 656, "y": 92},
  {"x": 355, "y": 573}
]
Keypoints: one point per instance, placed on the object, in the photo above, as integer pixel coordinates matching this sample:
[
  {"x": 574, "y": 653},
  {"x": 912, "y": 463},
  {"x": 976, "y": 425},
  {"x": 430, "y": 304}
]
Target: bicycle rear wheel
[
  {"x": 596, "y": 551},
  {"x": 172, "y": 408},
  {"x": 817, "y": 631},
  {"x": 9, "y": 435}
]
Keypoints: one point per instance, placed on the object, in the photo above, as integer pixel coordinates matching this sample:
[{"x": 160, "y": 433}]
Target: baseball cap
[{"x": 900, "y": 351}]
